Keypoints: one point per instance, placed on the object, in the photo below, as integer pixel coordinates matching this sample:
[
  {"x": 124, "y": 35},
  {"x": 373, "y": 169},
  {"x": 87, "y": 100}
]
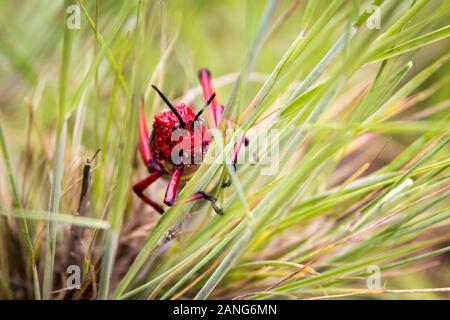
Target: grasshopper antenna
[
  {"x": 203, "y": 108},
  {"x": 164, "y": 98}
]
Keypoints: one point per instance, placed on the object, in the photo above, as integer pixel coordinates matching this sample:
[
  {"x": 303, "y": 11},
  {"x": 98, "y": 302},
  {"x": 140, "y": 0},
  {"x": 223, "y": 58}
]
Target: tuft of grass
[{"x": 359, "y": 127}]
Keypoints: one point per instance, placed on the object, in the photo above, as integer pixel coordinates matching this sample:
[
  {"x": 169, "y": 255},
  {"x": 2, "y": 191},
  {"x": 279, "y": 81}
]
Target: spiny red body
[{"x": 166, "y": 122}]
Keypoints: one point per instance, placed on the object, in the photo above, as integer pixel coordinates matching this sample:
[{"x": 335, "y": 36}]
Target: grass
[{"x": 360, "y": 129}]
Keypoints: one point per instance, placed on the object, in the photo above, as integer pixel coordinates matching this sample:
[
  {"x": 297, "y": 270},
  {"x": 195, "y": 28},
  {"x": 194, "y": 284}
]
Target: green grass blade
[{"x": 23, "y": 223}]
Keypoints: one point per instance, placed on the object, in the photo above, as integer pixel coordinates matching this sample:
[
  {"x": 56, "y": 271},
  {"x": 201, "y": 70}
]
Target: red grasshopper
[{"x": 156, "y": 148}]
